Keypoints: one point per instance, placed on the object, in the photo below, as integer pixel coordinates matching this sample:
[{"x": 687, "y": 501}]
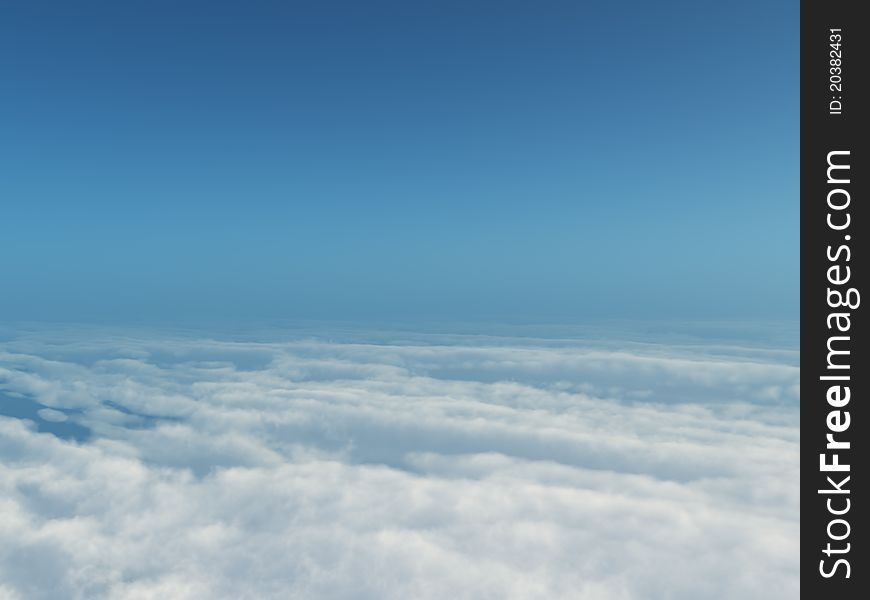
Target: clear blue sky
[{"x": 365, "y": 159}]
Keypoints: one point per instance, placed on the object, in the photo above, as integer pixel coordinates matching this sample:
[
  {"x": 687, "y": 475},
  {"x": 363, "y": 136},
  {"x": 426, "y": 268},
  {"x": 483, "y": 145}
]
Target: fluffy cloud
[{"x": 435, "y": 467}]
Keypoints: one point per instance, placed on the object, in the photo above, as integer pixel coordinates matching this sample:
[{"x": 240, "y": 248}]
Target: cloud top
[{"x": 431, "y": 468}]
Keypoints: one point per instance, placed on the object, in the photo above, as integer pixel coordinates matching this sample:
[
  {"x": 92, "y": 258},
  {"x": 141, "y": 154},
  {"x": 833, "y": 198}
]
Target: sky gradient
[{"x": 461, "y": 160}]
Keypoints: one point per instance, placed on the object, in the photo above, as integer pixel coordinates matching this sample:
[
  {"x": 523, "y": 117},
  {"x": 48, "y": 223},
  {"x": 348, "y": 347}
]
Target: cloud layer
[{"x": 437, "y": 467}]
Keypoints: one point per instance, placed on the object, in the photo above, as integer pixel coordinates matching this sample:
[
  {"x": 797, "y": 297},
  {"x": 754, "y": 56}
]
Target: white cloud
[
  {"x": 479, "y": 468},
  {"x": 51, "y": 415}
]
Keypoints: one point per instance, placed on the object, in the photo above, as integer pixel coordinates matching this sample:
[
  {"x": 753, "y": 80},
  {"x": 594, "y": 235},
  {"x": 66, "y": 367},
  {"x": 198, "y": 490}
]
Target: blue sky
[{"x": 461, "y": 160}]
